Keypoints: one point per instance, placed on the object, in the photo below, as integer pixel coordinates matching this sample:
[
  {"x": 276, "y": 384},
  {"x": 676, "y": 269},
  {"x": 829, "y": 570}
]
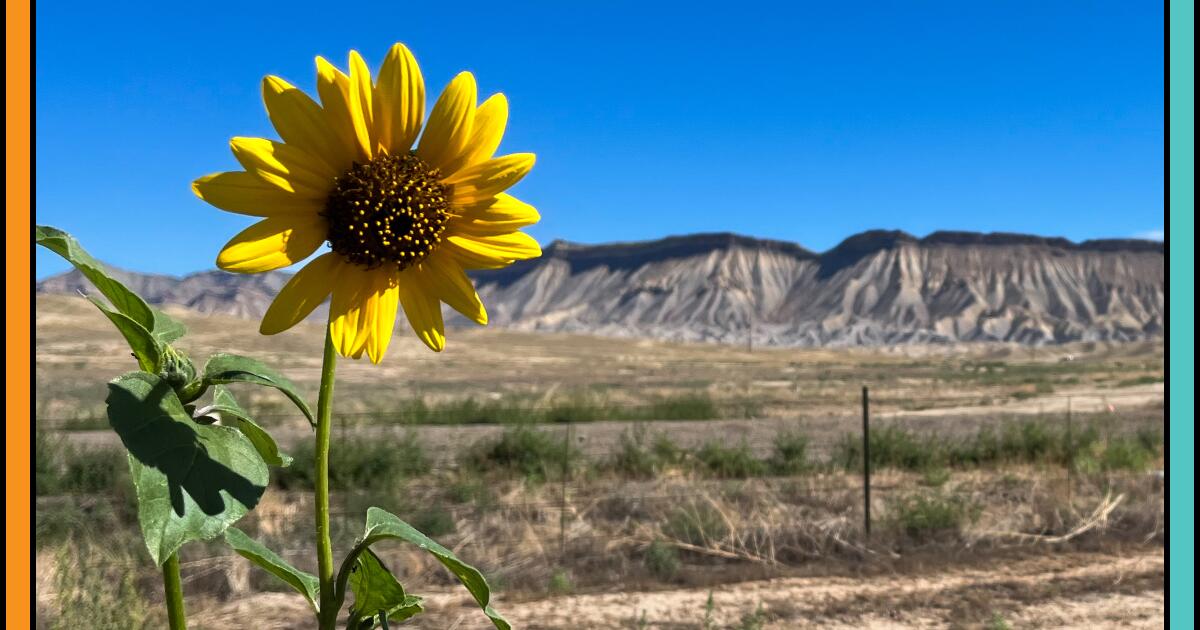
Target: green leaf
[
  {"x": 192, "y": 481},
  {"x": 231, "y": 368},
  {"x": 382, "y": 525},
  {"x": 225, "y": 408},
  {"x": 145, "y": 348},
  {"x": 379, "y": 597},
  {"x": 161, "y": 326},
  {"x": 305, "y": 583}
]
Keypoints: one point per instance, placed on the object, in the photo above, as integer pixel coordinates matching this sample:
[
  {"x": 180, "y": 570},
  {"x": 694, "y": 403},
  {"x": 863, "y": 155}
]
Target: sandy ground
[{"x": 1068, "y": 590}]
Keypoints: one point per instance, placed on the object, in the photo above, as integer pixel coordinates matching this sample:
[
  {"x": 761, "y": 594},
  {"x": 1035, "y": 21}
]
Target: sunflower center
[{"x": 391, "y": 210}]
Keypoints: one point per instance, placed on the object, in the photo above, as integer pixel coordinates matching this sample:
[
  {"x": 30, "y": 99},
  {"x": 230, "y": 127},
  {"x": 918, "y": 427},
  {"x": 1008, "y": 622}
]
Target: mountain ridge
[{"x": 875, "y": 287}]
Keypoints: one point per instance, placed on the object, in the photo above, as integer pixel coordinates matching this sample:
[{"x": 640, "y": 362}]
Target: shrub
[
  {"x": 687, "y": 407},
  {"x": 536, "y": 455},
  {"x": 900, "y": 448},
  {"x": 696, "y": 525},
  {"x": 997, "y": 622},
  {"x": 434, "y": 521},
  {"x": 94, "y": 471},
  {"x": 791, "y": 454},
  {"x": 729, "y": 462},
  {"x": 358, "y": 464},
  {"x": 467, "y": 488},
  {"x": 1150, "y": 439},
  {"x": 560, "y": 583},
  {"x": 930, "y": 516},
  {"x": 662, "y": 561},
  {"x": 632, "y": 457},
  {"x": 1126, "y": 454},
  {"x": 1026, "y": 441},
  {"x": 667, "y": 451}
]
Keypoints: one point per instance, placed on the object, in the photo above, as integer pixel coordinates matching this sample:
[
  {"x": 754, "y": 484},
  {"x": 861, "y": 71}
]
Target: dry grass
[{"x": 668, "y": 520}]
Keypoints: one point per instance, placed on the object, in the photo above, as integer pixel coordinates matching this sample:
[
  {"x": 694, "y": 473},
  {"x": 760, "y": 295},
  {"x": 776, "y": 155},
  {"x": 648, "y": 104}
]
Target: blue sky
[{"x": 796, "y": 121}]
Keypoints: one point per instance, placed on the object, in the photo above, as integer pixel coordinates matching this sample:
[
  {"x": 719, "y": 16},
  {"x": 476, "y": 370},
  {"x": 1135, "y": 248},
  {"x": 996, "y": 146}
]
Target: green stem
[
  {"x": 173, "y": 588},
  {"x": 327, "y": 618}
]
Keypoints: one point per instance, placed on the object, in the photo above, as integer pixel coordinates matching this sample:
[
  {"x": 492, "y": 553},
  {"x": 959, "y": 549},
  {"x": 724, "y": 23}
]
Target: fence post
[{"x": 866, "y": 437}]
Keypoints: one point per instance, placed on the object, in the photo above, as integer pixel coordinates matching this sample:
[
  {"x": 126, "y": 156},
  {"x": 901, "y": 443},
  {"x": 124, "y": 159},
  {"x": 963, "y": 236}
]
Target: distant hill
[{"x": 877, "y": 287}]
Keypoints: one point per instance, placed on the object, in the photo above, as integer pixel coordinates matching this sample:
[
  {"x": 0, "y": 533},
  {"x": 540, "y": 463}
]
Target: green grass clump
[
  {"x": 697, "y": 525},
  {"x": 47, "y": 464},
  {"x": 638, "y": 457},
  {"x": 1030, "y": 442},
  {"x": 560, "y": 583},
  {"x": 891, "y": 447},
  {"x": 94, "y": 471},
  {"x": 358, "y": 464},
  {"x": 536, "y": 455},
  {"x": 1141, "y": 380},
  {"x": 433, "y": 521},
  {"x": 929, "y": 516},
  {"x": 579, "y": 408},
  {"x": 728, "y": 462},
  {"x": 1125, "y": 454},
  {"x": 790, "y": 455},
  {"x": 60, "y": 468},
  {"x": 935, "y": 477},
  {"x": 662, "y": 561},
  {"x": 633, "y": 457},
  {"x": 997, "y": 622},
  {"x": 95, "y": 588}
]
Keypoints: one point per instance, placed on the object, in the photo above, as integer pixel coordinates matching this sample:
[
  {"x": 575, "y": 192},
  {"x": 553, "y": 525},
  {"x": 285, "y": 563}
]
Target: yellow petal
[
  {"x": 347, "y": 312},
  {"x": 300, "y": 121},
  {"x": 273, "y": 243},
  {"x": 491, "y": 252},
  {"x": 284, "y": 166},
  {"x": 479, "y": 183},
  {"x": 246, "y": 193},
  {"x": 333, "y": 86},
  {"x": 303, "y": 293},
  {"x": 486, "y": 133},
  {"x": 399, "y": 100},
  {"x": 382, "y": 306},
  {"x": 499, "y": 215},
  {"x": 452, "y": 286},
  {"x": 424, "y": 311},
  {"x": 450, "y": 123},
  {"x": 360, "y": 104}
]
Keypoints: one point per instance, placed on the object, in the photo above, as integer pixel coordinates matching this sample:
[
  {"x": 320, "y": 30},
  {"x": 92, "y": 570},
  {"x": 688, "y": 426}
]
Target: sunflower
[{"x": 402, "y": 224}]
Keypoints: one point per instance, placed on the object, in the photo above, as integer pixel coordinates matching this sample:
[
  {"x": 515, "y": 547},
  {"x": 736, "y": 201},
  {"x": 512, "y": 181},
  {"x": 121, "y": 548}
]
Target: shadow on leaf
[{"x": 199, "y": 460}]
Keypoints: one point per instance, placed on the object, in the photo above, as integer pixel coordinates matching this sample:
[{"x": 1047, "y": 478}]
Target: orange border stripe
[{"x": 19, "y": 287}]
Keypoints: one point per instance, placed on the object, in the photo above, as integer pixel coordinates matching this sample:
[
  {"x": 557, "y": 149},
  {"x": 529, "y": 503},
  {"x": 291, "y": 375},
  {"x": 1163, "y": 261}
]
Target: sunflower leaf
[
  {"x": 305, "y": 583},
  {"x": 382, "y": 525},
  {"x": 232, "y": 368},
  {"x": 225, "y": 408},
  {"x": 379, "y": 597},
  {"x": 192, "y": 481},
  {"x": 146, "y": 349},
  {"x": 162, "y": 327}
]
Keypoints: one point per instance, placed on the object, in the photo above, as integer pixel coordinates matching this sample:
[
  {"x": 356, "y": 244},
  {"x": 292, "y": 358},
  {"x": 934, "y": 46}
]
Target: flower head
[{"x": 402, "y": 224}]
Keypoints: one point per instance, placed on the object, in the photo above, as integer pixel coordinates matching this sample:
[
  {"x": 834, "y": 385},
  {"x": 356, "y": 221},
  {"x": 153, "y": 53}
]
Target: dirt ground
[{"x": 1087, "y": 590}]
